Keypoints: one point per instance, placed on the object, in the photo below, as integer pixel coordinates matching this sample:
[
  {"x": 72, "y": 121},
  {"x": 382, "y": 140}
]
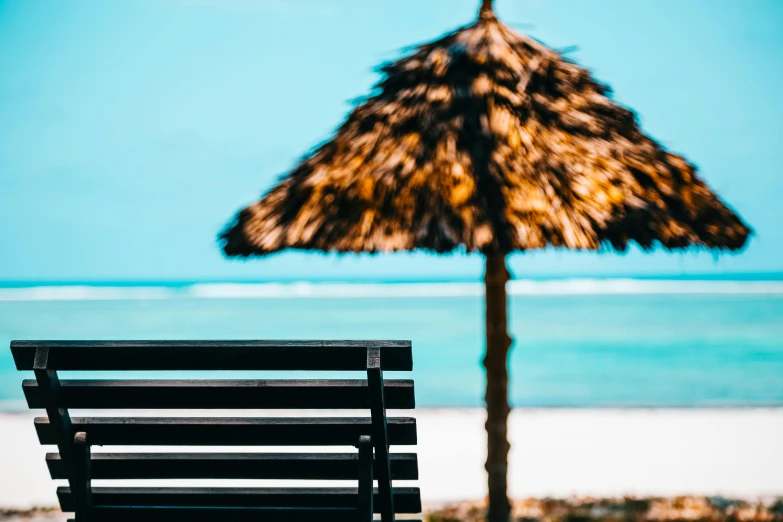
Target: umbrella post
[
  {"x": 496, "y": 365},
  {"x": 485, "y": 12},
  {"x": 486, "y": 8}
]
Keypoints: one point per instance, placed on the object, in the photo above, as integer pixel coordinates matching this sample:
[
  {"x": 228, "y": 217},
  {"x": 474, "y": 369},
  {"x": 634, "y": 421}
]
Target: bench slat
[
  {"x": 312, "y": 466},
  {"x": 195, "y": 514},
  {"x": 228, "y": 431},
  {"x": 220, "y": 394},
  {"x": 406, "y": 499},
  {"x": 213, "y": 355}
]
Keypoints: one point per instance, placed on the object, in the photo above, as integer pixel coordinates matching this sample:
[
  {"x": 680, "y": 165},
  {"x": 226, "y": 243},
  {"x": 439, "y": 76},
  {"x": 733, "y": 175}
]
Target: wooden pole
[
  {"x": 496, "y": 364},
  {"x": 486, "y": 10}
]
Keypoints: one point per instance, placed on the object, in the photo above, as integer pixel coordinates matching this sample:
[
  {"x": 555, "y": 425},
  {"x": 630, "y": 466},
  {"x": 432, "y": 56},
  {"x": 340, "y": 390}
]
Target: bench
[{"x": 372, "y": 436}]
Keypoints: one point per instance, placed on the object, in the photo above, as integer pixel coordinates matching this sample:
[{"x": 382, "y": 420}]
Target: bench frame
[{"x": 76, "y": 455}]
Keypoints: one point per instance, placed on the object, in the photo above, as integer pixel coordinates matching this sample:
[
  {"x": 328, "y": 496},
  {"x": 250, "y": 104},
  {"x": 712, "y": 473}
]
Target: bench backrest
[{"x": 75, "y": 462}]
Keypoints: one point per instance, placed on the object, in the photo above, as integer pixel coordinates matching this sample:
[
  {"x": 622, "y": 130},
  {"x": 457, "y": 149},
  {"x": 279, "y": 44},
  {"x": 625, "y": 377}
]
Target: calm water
[{"x": 570, "y": 350}]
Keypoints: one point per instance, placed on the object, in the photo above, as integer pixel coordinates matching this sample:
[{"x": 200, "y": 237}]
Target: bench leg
[
  {"x": 365, "y": 479},
  {"x": 380, "y": 436},
  {"x": 82, "y": 477}
]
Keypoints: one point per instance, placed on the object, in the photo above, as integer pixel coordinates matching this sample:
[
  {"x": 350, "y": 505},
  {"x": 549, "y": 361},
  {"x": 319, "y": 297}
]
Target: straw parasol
[{"x": 487, "y": 141}]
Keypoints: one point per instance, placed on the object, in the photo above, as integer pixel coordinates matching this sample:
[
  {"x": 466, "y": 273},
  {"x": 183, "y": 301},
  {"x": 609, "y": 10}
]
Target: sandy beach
[{"x": 555, "y": 452}]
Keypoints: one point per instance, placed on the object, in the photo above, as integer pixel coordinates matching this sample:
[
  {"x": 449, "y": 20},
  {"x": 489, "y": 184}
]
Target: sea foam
[{"x": 526, "y": 287}]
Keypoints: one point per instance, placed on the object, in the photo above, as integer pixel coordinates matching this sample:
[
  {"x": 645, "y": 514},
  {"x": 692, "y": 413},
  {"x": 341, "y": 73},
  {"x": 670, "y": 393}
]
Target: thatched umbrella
[{"x": 487, "y": 141}]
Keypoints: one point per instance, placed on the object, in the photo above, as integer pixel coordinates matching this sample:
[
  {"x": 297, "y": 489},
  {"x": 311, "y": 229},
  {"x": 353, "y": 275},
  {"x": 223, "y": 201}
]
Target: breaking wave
[{"x": 528, "y": 287}]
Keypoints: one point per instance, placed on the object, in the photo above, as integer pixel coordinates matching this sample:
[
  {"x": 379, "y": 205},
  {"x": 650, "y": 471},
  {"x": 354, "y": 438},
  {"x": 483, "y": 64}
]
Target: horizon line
[{"x": 409, "y": 279}]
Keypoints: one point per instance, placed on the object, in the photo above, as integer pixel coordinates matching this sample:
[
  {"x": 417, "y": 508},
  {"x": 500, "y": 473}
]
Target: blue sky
[{"x": 132, "y": 130}]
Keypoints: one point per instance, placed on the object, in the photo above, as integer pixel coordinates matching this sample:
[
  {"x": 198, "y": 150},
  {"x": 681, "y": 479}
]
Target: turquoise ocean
[{"x": 578, "y": 342}]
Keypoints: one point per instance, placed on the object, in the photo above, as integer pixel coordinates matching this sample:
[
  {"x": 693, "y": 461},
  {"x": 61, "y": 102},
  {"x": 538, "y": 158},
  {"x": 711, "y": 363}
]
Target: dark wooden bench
[{"x": 75, "y": 436}]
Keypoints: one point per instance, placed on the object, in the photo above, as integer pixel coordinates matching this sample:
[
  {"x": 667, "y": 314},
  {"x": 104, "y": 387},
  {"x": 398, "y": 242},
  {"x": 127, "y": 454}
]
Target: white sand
[{"x": 732, "y": 452}]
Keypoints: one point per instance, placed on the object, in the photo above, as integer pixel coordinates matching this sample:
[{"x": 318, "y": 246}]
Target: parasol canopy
[{"x": 487, "y": 140}]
